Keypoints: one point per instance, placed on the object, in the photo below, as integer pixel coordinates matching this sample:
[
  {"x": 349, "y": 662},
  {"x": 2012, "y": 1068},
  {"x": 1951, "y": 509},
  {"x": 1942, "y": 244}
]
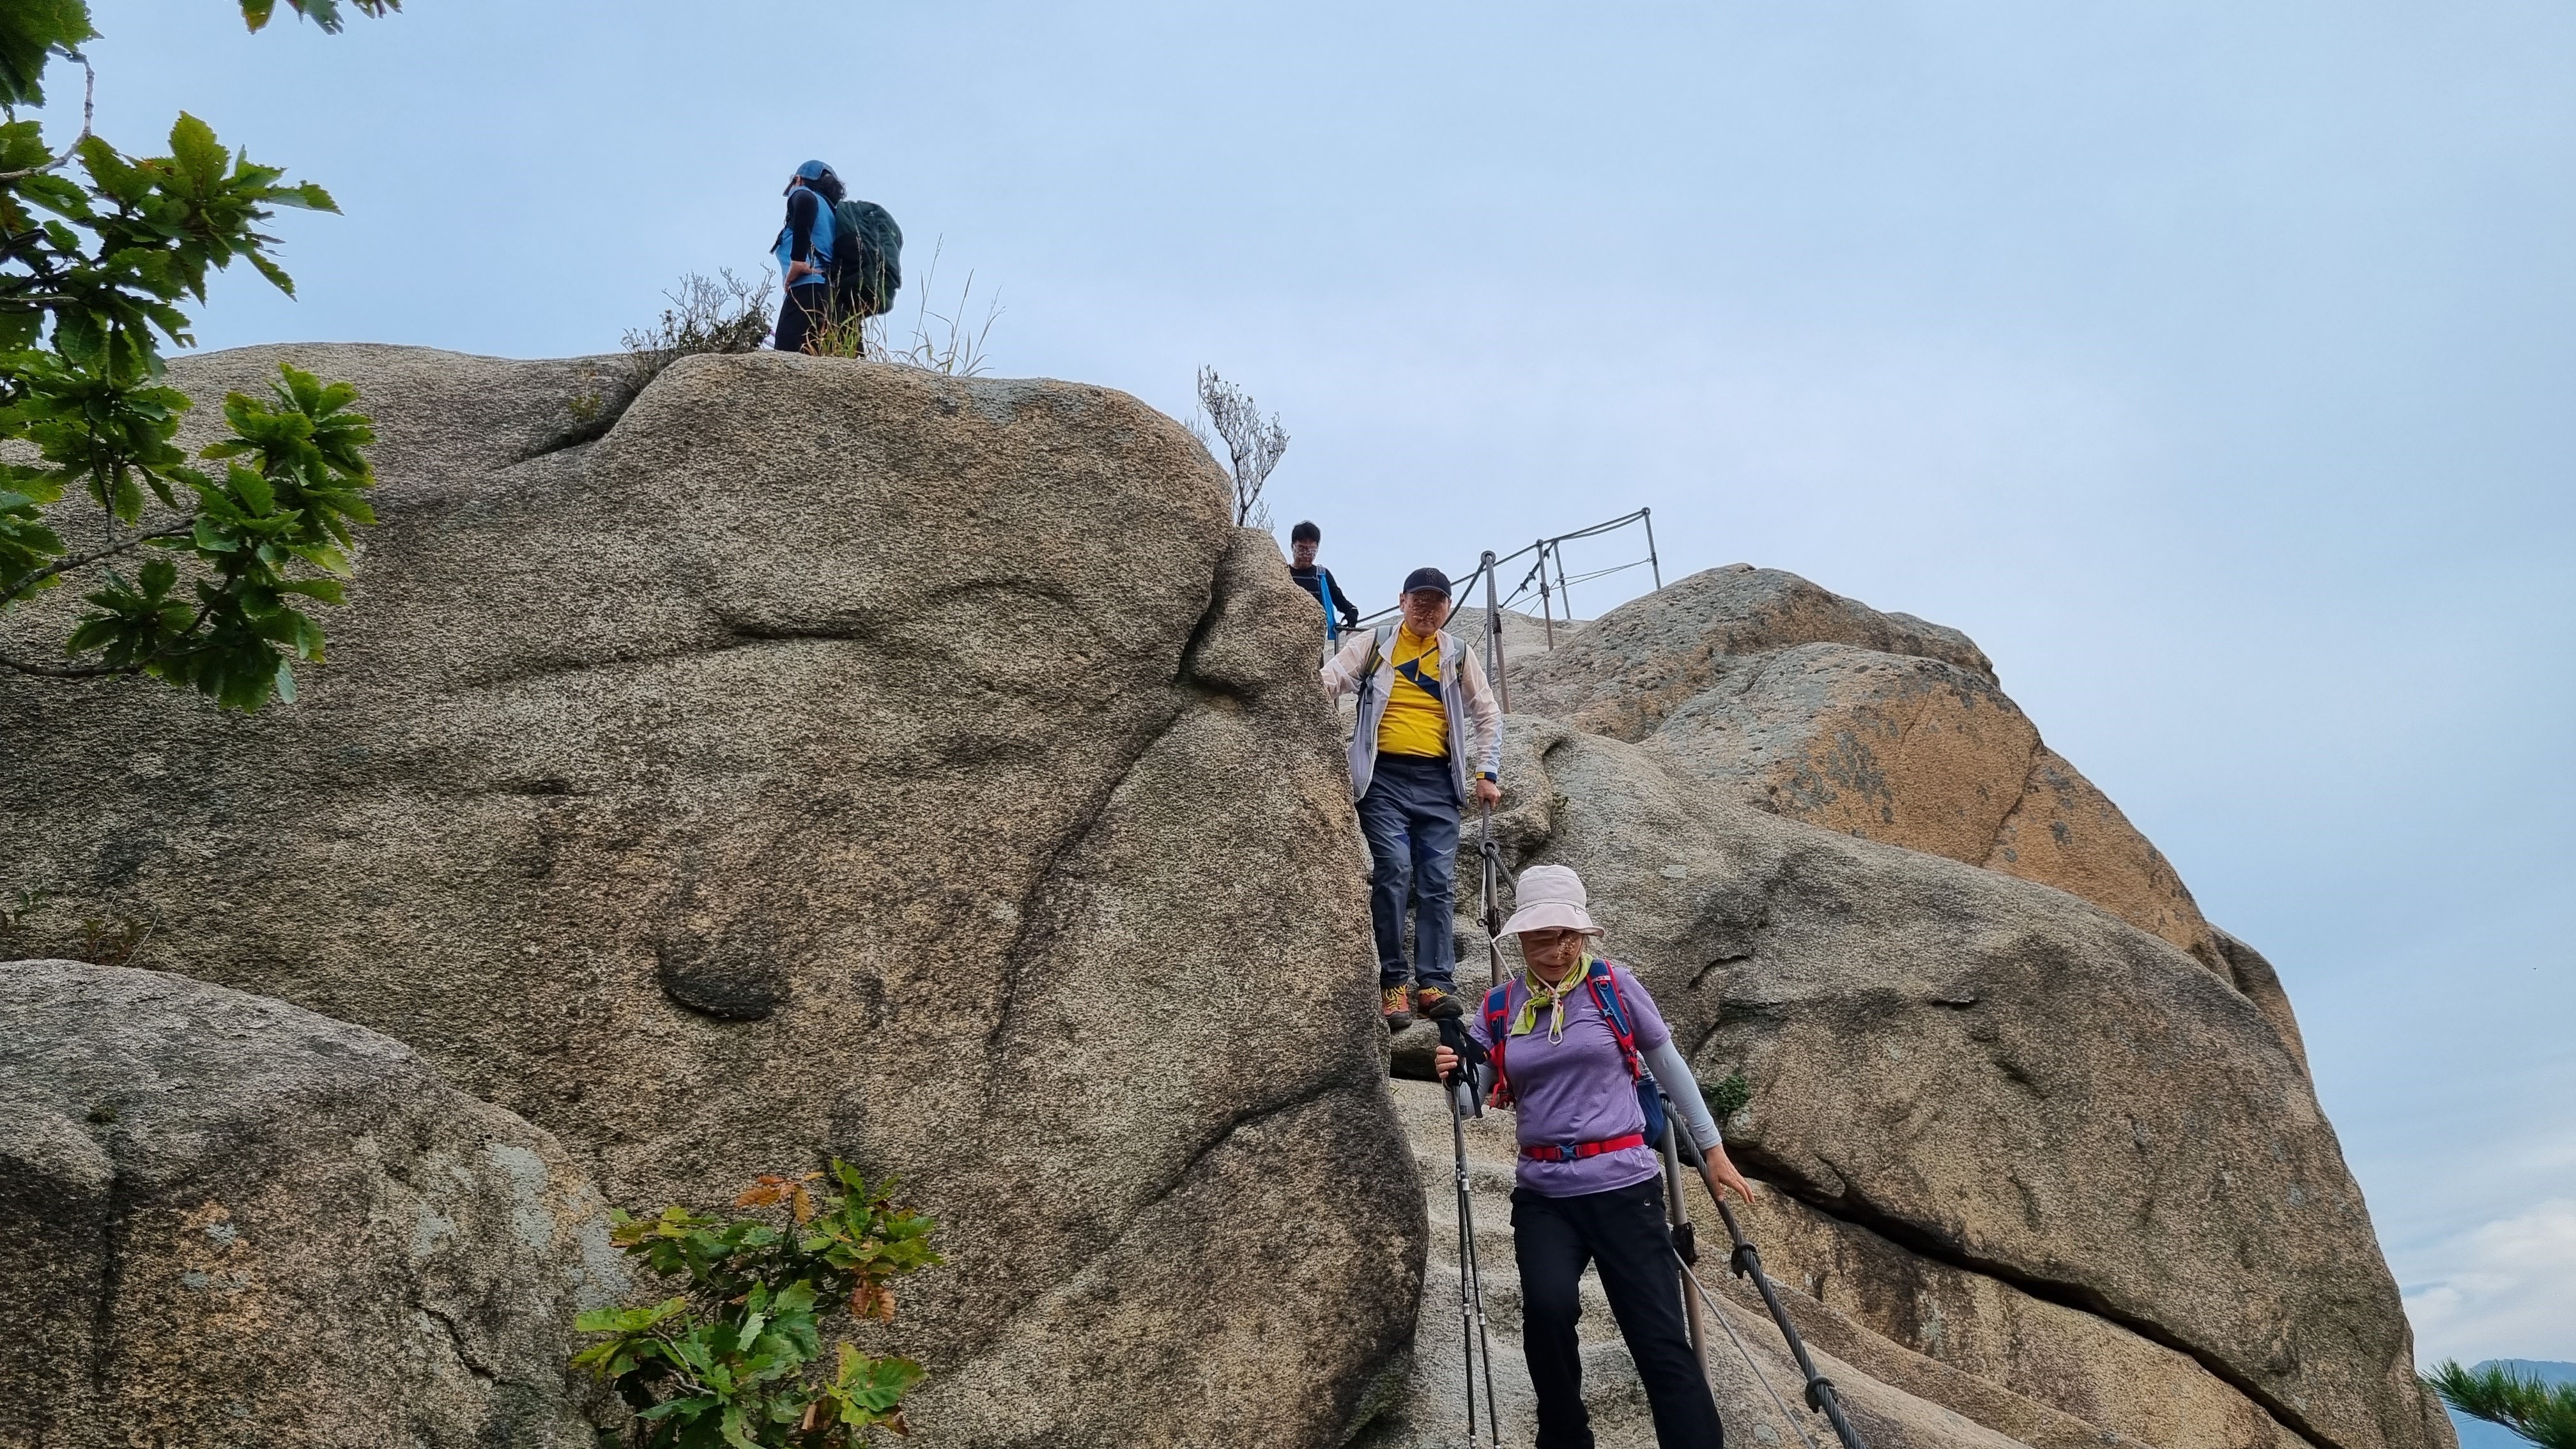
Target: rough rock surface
[
  {"x": 2087, "y": 1144},
  {"x": 2065, "y": 832},
  {"x": 2098, "y": 1375},
  {"x": 1818, "y": 708},
  {"x": 828, "y": 758},
  {"x": 233, "y": 1222},
  {"x": 1889, "y": 747},
  {"x": 1622, "y": 674}
]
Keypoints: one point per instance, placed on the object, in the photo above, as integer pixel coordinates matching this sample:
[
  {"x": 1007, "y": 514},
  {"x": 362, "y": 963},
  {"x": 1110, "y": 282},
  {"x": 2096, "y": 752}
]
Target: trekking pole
[
  {"x": 1475, "y": 1347},
  {"x": 1747, "y": 1263}
]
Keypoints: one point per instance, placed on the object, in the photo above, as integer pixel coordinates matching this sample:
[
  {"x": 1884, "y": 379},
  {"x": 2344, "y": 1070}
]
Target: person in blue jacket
[{"x": 804, "y": 253}]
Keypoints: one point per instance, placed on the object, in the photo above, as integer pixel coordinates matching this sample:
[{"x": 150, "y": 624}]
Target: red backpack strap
[
  {"x": 1605, "y": 995},
  {"x": 1498, "y": 1012}
]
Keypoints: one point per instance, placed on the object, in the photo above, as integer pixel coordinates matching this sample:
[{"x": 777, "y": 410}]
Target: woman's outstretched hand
[{"x": 1721, "y": 1174}]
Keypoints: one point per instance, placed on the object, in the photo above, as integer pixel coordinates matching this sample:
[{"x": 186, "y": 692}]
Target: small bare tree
[{"x": 1254, "y": 442}]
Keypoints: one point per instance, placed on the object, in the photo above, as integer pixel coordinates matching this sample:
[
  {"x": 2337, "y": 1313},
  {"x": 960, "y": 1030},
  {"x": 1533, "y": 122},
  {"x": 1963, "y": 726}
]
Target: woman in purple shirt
[{"x": 1591, "y": 1187}]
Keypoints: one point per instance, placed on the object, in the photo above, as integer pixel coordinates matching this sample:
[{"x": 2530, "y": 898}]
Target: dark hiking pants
[
  {"x": 1623, "y": 1233},
  {"x": 804, "y": 311},
  {"x": 1410, "y": 817}
]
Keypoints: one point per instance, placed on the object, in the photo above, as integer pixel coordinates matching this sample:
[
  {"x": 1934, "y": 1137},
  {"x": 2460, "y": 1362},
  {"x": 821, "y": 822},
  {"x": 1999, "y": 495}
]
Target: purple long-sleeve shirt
[{"x": 1577, "y": 1089}]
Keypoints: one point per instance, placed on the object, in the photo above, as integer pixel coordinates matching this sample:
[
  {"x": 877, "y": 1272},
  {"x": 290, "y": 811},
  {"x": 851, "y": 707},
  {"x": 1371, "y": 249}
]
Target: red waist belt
[{"x": 1570, "y": 1151}]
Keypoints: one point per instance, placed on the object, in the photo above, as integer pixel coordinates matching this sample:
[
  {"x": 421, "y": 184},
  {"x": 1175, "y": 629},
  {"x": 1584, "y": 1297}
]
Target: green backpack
[{"x": 867, "y": 258}]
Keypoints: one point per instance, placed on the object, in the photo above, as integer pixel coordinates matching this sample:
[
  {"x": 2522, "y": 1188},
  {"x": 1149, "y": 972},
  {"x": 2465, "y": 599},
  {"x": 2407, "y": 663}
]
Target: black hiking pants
[
  {"x": 804, "y": 311},
  {"x": 1623, "y": 1233}
]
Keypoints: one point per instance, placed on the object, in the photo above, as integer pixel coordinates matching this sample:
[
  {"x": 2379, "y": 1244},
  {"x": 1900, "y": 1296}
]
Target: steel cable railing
[{"x": 1553, "y": 596}]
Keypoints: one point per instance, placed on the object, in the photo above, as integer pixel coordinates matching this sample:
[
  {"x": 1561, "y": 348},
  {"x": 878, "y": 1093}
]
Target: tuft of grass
[
  {"x": 946, "y": 343},
  {"x": 112, "y": 942}
]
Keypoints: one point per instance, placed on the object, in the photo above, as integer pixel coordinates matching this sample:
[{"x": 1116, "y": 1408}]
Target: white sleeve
[
  {"x": 1341, "y": 673},
  {"x": 1682, "y": 1089}
]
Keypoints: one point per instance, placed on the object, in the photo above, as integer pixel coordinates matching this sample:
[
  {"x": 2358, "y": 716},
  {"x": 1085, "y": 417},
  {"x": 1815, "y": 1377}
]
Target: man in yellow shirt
[{"x": 1425, "y": 711}]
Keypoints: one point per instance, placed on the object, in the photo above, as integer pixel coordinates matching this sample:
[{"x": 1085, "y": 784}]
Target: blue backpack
[{"x": 1499, "y": 1008}]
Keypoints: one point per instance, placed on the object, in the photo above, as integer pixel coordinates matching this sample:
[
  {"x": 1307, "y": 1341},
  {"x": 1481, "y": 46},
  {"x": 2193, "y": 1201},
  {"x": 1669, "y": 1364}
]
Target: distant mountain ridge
[{"x": 2479, "y": 1434}]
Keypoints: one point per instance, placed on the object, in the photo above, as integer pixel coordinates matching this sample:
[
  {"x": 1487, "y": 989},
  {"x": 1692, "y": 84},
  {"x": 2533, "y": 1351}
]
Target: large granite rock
[
  {"x": 1819, "y": 708},
  {"x": 1624, "y": 672},
  {"x": 236, "y": 1223},
  {"x": 1860, "y": 1293},
  {"x": 2063, "y": 1120},
  {"x": 1889, "y": 747},
  {"x": 830, "y": 758}
]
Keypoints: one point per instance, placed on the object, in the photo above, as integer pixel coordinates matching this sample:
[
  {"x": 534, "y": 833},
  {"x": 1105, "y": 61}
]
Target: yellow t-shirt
[{"x": 1416, "y": 722}]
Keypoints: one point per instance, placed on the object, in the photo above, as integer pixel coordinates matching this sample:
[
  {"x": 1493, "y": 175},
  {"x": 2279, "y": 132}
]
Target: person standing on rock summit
[
  {"x": 1425, "y": 711},
  {"x": 1571, "y": 1043},
  {"x": 804, "y": 253}
]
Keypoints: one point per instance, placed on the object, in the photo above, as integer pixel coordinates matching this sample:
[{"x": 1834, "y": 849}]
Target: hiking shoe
[
  {"x": 1438, "y": 1005},
  {"x": 1395, "y": 1009}
]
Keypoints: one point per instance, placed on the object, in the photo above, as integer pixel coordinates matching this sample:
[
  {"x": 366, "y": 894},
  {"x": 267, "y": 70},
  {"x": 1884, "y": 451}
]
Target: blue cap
[{"x": 812, "y": 169}]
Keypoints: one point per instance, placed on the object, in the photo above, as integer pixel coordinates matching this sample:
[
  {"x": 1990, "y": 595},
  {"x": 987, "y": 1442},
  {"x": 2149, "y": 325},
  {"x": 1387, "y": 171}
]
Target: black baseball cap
[{"x": 1427, "y": 579}]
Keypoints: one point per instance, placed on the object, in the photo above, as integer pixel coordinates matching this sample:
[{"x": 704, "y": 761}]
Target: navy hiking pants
[
  {"x": 801, "y": 313},
  {"x": 1410, "y": 818},
  {"x": 1622, "y": 1232}
]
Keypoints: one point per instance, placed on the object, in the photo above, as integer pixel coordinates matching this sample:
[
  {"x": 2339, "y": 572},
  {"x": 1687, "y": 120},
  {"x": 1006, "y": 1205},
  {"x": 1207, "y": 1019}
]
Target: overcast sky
[{"x": 2213, "y": 365}]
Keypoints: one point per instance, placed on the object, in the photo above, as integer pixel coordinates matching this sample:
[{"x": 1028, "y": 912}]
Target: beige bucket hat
[{"x": 1550, "y": 897}]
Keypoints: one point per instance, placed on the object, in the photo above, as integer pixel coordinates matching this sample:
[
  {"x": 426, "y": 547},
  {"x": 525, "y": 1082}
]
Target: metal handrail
[{"x": 1551, "y": 594}]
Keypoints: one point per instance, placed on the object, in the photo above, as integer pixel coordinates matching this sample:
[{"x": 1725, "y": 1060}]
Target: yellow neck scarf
[{"x": 1553, "y": 997}]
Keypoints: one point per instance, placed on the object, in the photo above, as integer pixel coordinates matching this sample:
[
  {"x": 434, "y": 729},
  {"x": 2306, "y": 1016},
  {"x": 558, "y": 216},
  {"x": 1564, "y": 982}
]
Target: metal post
[
  {"x": 1545, "y": 615},
  {"x": 1678, "y": 1208},
  {"x": 1652, "y": 562},
  {"x": 1489, "y": 859},
  {"x": 1494, "y": 632},
  {"x": 1564, "y": 593}
]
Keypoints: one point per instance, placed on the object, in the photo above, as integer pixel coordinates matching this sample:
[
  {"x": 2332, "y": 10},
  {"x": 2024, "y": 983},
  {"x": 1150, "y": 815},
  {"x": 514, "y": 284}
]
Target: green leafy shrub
[
  {"x": 100, "y": 253},
  {"x": 1728, "y": 1097},
  {"x": 728, "y": 1360}
]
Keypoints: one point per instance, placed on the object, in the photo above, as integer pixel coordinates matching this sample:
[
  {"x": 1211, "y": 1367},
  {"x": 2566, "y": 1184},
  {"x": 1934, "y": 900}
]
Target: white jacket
[{"x": 1467, "y": 698}]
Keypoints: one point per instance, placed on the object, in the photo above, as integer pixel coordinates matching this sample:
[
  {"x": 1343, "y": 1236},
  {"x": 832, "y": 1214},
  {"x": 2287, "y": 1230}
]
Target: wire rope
[{"x": 1733, "y": 1337}]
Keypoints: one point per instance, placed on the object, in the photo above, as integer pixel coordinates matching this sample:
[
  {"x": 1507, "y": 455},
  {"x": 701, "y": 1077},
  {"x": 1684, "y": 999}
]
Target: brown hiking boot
[
  {"x": 1436, "y": 1004},
  {"x": 1395, "y": 1009}
]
